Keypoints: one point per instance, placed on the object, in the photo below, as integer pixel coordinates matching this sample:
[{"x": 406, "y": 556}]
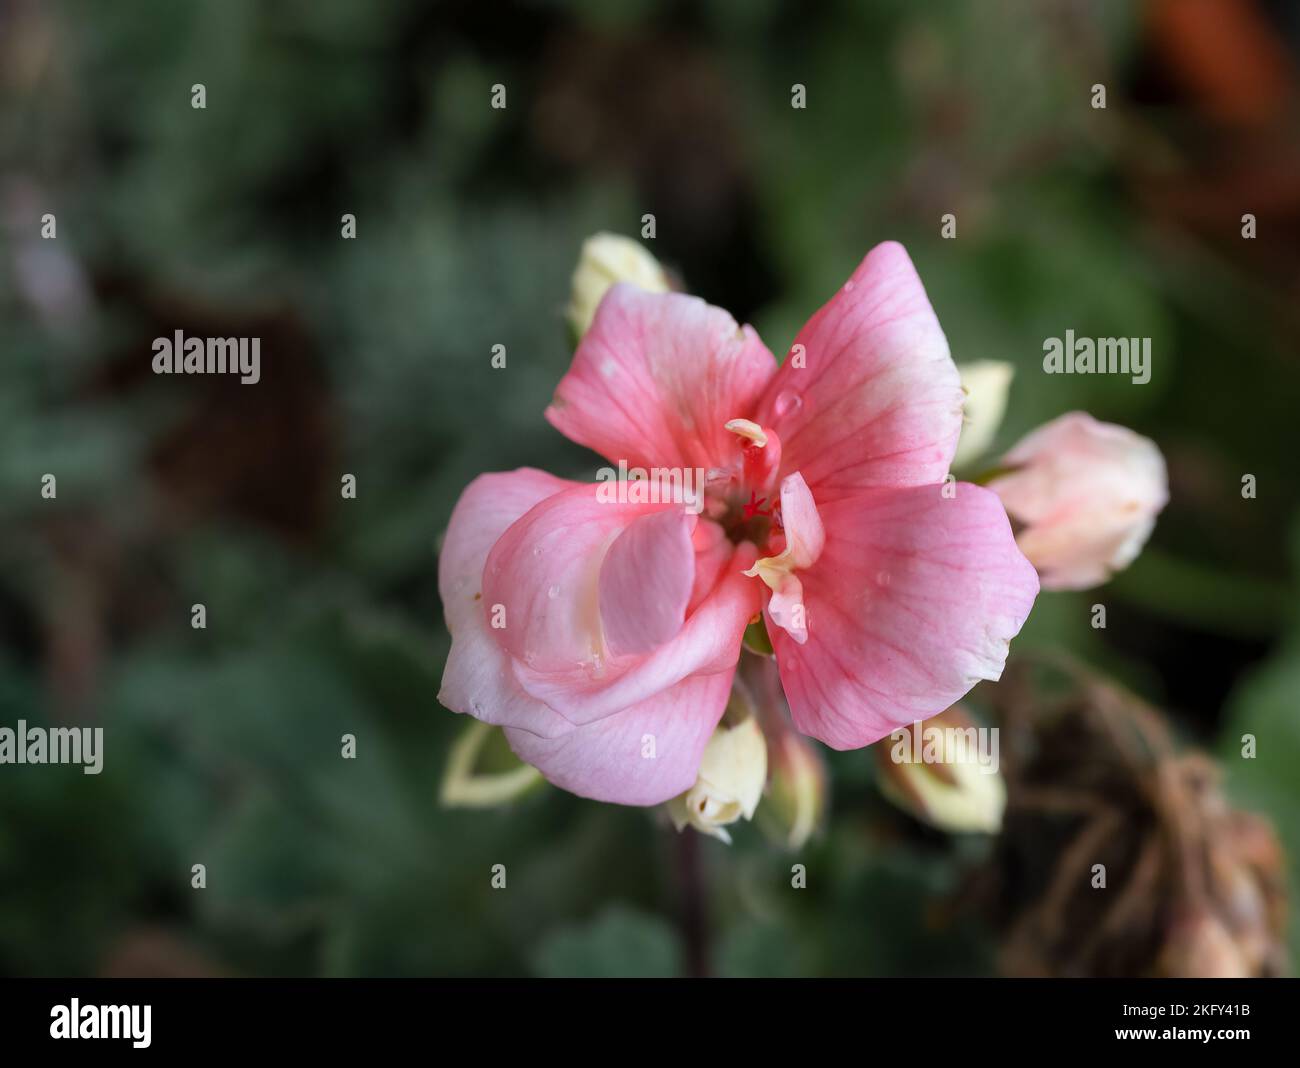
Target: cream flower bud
[
  {"x": 986, "y": 384},
  {"x": 729, "y": 783},
  {"x": 796, "y": 797},
  {"x": 606, "y": 259},
  {"x": 1086, "y": 495},
  {"x": 945, "y": 772}
]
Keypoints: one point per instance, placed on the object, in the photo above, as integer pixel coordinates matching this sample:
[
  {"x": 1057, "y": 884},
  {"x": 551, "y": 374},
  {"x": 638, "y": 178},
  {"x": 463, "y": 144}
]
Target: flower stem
[{"x": 693, "y": 905}]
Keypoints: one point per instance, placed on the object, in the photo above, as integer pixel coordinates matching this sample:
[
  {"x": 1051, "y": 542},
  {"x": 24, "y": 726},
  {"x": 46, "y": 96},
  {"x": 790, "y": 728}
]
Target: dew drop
[
  {"x": 553, "y": 592},
  {"x": 787, "y": 402}
]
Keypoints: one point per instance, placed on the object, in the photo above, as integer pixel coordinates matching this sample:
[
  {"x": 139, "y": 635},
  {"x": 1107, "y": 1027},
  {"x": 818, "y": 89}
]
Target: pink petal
[
  {"x": 645, "y": 582},
  {"x": 656, "y": 378},
  {"x": 786, "y": 609},
  {"x": 912, "y": 602},
  {"x": 713, "y": 552},
  {"x": 607, "y": 760},
  {"x": 804, "y": 538},
  {"x": 544, "y": 573},
  {"x": 878, "y": 400},
  {"x": 478, "y": 680},
  {"x": 805, "y": 534},
  {"x": 708, "y": 643}
]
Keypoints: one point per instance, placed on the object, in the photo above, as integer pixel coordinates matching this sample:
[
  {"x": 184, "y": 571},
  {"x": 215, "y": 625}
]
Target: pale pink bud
[{"x": 1085, "y": 495}]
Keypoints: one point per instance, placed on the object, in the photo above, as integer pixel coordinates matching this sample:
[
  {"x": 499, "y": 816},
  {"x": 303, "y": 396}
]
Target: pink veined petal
[
  {"x": 544, "y": 574},
  {"x": 478, "y": 679},
  {"x": 912, "y": 602},
  {"x": 645, "y": 582},
  {"x": 656, "y": 378},
  {"x": 708, "y": 643},
  {"x": 643, "y": 755},
  {"x": 869, "y": 396}
]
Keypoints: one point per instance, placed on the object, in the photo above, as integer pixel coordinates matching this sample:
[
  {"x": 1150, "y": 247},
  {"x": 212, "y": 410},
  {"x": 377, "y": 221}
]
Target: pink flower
[
  {"x": 1087, "y": 494},
  {"x": 603, "y": 636}
]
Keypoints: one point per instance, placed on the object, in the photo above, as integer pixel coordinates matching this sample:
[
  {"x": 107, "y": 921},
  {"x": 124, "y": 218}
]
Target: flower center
[
  {"x": 782, "y": 523},
  {"x": 742, "y": 497}
]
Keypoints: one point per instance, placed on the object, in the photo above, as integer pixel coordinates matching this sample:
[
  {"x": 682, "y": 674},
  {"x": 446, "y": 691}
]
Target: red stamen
[{"x": 755, "y": 506}]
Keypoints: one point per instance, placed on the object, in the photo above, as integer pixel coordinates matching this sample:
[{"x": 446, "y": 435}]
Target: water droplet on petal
[
  {"x": 787, "y": 403},
  {"x": 848, "y": 286},
  {"x": 553, "y": 592},
  {"x": 537, "y": 550}
]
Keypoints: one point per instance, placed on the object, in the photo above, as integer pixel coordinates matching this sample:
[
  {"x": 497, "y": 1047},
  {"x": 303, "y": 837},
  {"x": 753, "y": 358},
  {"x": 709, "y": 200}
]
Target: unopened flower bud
[
  {"x": 606, "y": 259},
  {"x": 1086, "y": 495},
  {"x": 945, "y": 772},
  {"x": 796, "y": 794},
  {"x": 729, "y": 783},
  {"x": 986, "y": 384}
]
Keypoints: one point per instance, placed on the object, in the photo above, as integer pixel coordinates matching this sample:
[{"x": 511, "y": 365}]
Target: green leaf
[{"x": 619, "y": 943}]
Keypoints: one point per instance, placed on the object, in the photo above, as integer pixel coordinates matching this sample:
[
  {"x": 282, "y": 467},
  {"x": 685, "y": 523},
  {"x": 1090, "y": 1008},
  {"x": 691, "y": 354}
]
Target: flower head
[{"x": 603, "y": 634}]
